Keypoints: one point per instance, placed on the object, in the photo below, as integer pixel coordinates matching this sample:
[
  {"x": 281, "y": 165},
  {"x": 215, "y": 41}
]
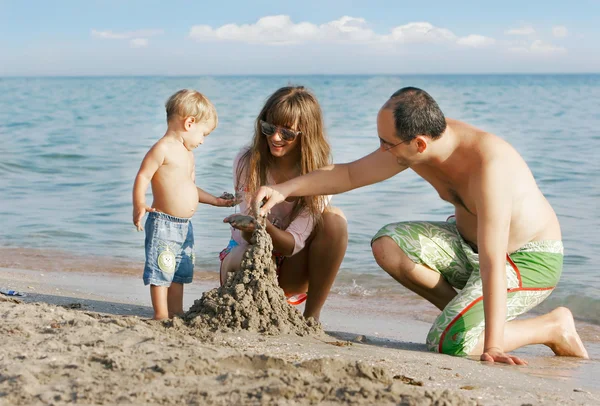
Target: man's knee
[{"x": 390, "y": 257}]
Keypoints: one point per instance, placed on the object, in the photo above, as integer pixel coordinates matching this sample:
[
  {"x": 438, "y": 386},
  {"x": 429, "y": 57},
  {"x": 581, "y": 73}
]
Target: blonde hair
[
  {"x": 191, "y": 103},
  {"x": 288, "y": 106}
]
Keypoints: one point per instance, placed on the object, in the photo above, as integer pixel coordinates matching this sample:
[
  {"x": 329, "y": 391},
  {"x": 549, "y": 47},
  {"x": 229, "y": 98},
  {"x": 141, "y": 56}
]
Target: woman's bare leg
[{"x": 232, "y": 262}]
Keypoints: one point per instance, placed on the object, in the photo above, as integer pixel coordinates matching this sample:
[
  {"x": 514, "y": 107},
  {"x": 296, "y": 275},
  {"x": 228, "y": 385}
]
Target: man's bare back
[{"x": 532, "y": 217}]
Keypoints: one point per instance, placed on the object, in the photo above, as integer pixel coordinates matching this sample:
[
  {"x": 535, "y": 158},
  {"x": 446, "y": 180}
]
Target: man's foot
[{"x": 565, "y": 341}]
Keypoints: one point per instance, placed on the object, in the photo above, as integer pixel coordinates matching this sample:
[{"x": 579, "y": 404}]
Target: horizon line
[{"x": 66, "y": 76}]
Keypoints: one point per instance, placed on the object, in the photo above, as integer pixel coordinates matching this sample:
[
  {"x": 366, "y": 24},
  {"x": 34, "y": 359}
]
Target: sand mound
[
  {"x": 251, "y": 299},
  {"x": 56, "y": 356}
]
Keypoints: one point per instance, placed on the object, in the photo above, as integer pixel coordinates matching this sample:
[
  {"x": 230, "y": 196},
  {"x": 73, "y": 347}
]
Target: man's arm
[
  {"x": 152, "y": 161},
  {"x": 334, "y": 179},
  {"x": 493, "y": 201}
]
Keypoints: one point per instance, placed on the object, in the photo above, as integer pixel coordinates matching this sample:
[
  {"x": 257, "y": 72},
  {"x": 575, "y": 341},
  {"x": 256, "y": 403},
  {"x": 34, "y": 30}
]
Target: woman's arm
[{"x": 283, "y": 241}]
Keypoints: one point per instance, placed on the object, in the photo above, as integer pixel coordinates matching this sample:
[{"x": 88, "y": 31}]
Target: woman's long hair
[{"x": 286, "y": 107}]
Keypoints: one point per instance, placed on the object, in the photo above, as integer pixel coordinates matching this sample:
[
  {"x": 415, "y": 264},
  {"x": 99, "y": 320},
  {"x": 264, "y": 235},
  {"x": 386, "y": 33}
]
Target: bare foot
[{"x": 566, "y": 341}]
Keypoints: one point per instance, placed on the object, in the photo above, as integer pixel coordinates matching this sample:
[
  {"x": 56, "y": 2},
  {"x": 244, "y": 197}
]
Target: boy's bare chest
[{"x": 179, "y": 165}]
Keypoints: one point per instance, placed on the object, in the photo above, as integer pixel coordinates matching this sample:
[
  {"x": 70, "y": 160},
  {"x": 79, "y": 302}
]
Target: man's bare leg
[
  {"x": 175, "y": 299},
  {"x": 422, "y": 280},
  {"x": 556, "y": 330},
  {"x": 158, "y": 294}
]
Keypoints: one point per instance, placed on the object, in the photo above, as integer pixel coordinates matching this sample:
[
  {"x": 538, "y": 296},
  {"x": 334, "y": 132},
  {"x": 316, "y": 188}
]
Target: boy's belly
[{"x": 179, "y": 199}]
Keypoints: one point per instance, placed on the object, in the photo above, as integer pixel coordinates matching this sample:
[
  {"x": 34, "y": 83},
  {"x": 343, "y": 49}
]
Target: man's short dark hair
[{"x": 416, "y": 113}]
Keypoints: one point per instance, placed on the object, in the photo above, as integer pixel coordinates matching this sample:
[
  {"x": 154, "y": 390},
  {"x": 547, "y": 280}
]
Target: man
[{"x": 461, "y": 265}]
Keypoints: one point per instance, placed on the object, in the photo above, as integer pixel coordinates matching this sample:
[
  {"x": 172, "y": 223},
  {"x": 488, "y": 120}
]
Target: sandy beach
[{"x": 84, "y": 337}]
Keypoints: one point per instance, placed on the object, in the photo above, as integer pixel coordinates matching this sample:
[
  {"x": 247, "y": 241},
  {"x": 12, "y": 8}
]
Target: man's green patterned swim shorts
[{"x": 532, "y": 273}]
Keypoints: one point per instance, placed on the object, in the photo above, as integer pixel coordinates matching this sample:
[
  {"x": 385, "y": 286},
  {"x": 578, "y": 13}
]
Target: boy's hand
[
  {"x": 138, "y": 214},
  {"x": 226, "y": 200},
  {"x": 241, "y": 222}
]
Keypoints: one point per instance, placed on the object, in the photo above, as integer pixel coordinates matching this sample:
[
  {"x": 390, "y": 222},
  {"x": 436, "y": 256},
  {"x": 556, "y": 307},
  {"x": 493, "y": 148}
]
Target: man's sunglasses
[
  {"x": 286, "y": 134},
  {"x": 387, "y": 146}
]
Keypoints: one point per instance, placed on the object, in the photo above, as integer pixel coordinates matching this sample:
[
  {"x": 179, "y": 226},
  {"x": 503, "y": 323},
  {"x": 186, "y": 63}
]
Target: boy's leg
[
  {"x": 184, "y": 268},
  {"x": 159, "y": 302},
  {"x": 175, "y": 299}
]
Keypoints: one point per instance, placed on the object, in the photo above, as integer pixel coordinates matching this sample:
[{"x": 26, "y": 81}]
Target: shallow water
[{"x": 71, "y": 148}]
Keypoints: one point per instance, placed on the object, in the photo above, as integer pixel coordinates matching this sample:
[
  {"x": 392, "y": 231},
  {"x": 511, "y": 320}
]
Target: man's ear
[{"x": 421, "y": 143}]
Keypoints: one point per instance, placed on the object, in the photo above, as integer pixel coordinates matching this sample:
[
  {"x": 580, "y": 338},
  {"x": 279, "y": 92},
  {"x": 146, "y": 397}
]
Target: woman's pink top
[{"x": 300, "y": 228}]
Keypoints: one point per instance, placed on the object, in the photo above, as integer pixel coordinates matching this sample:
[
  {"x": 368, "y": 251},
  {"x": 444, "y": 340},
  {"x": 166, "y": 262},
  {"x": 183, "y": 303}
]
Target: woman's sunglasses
[{"x": 286, "y": 134}]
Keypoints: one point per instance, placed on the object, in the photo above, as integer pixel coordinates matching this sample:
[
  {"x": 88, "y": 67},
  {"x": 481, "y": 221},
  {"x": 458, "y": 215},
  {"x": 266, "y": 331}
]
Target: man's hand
[
  {"x": 497, "y": 355},
  {"x": 273, "y": 196},
  {"x": 138, "y": 214},
  {"x": 241, "y": 222}
]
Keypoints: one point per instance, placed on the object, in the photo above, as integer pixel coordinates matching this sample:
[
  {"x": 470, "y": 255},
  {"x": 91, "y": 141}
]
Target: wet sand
[{"x": 89, "y": 341}]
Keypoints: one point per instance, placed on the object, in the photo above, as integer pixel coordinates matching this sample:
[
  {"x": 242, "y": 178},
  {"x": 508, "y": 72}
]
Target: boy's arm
[
  {"x": 375, "y": 167},
  {"x": 207, "y": 198},
  {"x": 493, "y": 203},
  {"x": 152, "y": 161}
]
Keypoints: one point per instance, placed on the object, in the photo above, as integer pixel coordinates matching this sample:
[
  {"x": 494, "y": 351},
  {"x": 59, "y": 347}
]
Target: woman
[{"x": 309, "y": 236}]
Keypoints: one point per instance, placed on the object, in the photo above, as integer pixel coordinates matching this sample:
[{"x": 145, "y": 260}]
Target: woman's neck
[{"x": 285, "y": 168}]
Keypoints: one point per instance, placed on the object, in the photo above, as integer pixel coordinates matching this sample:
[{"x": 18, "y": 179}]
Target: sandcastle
[{"x": 251, "y": 298}]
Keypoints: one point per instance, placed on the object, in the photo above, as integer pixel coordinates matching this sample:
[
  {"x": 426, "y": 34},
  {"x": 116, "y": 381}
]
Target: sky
[{"x": 175, "y": 37}]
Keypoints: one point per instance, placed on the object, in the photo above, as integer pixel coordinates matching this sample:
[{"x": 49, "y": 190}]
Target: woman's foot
[{"x": 565, "y": 341}]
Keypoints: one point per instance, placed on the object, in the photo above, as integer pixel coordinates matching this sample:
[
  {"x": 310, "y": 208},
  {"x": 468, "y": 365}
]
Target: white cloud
[
  {"x": 538, "y": 47},
  {"x": 525, "y": 30},
  {"x": 475, "y": 41},
  {"x": 138, "y": 42},
  {"x": 281, "y": 30},
  {"x": 420, "y": 32},
  {"x": 560, "y": 31},
  {"x": 137, "y": 39},
  {"x": 126, "y": 35}
]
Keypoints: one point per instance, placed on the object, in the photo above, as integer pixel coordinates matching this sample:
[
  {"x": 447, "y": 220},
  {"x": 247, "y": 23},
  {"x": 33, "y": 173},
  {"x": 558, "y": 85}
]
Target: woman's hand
[
  {"x": 241, "y": 222},
  {"x": 497, "y": 355},
  {"x": 273, "y": 196}
]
